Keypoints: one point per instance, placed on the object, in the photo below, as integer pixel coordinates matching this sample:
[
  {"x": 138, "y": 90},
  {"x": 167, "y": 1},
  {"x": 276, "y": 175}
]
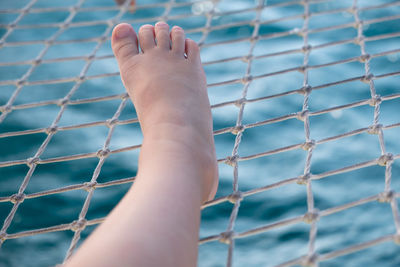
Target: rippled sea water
[{"x": 280, "y": 22}]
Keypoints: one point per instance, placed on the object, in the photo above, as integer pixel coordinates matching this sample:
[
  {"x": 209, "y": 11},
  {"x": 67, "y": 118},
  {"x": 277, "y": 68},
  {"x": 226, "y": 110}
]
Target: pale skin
[{"x": 157, "y": 221}]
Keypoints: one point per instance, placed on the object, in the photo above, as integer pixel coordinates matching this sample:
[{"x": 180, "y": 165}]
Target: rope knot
[
  {"x": 306, "y": 89},
  {"x": 78, "y": 225},
  {"x": 17, "y": 198},
  {"x": 5, "y": 108},
  {"x": 310, "y": 260},
  {"x": 124, "y": 96},
  {"x": 112, "y": 22},
  {"x": 231, "y": 160},
  {"x": 247, "y": 58},
  {"x": 358, "y": 24},
  {"x": 37, "y": 61},
  {"x": 21, "y": 82},
  {"x": 238, "y": 129},
  {"x": 226, "y": 237},
  {"x": 364, "y": 58},
  {"x": 256, "y": 21},
  {"x": 74, "y": 8},
  {"x": 311, "y": 216},
  {"x": 375, "y": 129},
  {"x": 81, "y": 78},
  {"x": 3, "y": 237},
  {"x": 51, "y": 129},
  {"x": 65, "y": 25},
  {"x": 367, "y": 78},
  {"x": 303, "y": 179},
  {"x": 306, "y": 48},
  {"x": 247, "y": 78},
  {"x": 254, "y": 38},
  {"x": 376, "y": 100},
  {"x": 352, "y": 10},
  {"x": 308, "y": 145},
  {"x": 102, "y": 153},
  {"x": 385, "y": 159},
  {"x": 31, "y": 161},
  {"x": 386, "y": 196},
  {"x": 303, "y": 68},
  {"x": 302, "y": 115},
  {"x": 235, "y": 197},
  {"x": 89, "y": 185},
  {"x": 62, "y": 102},
  {"x": 111, "y": 122},
  {"x": 240, "y": 101},
  {"x": 359, "y": 40},
  {"x": 25, "y": 10}
]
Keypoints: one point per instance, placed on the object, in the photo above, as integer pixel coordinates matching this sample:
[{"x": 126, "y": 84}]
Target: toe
[
  {"x": 146, "y": 37},
  {"x": 124, "y": 42},
  {"x": 178, "y": 40},
  {"x": 192, "y": 50},
  {"x": 162, "y": 35}
]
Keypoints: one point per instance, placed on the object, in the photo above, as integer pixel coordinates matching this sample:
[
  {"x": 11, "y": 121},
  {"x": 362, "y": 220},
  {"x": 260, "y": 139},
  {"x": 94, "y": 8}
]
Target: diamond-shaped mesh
[{"x": 209, "y": 11}]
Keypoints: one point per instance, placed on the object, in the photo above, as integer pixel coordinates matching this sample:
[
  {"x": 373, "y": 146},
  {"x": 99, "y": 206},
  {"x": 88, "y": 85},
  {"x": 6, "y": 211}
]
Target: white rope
[{"x": 312, "y": 257}]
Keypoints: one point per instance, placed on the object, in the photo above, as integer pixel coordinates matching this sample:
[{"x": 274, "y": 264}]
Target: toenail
[
  {"x": 122, "y": 31},
  {"x": 161, "y": 23},
  {"x": 177, "y": 28},
  {"x": 146, "y": 26}
]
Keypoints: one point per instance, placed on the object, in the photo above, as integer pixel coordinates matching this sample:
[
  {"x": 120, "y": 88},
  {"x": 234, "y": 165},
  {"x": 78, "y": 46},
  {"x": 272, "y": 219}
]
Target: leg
[{"x": 157, "y": 222}]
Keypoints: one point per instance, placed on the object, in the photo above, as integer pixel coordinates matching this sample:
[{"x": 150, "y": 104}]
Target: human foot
[{"x": 167, "y": 85}]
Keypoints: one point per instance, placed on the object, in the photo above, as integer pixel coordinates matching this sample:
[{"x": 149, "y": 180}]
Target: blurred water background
[{"x": 337, "y": 231}]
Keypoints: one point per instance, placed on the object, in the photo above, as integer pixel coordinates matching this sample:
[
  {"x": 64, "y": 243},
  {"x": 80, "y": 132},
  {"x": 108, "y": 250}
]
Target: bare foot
[{"x": 167, "y": 85}]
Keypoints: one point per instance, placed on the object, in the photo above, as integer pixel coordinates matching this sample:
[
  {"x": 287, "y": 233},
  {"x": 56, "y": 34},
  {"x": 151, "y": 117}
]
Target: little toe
[
  {"x": 124, "y": 42},
  {"x": 192, "y": 50},
  {"x": 146, "y": 37},
  {"x": 162, "y": 35},
  {"x": 178, "y": 40}
]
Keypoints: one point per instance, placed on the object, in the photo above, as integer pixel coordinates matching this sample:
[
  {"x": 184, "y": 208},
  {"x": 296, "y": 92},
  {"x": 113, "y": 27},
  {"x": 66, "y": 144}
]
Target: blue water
[{"x": 337, "y": 231}]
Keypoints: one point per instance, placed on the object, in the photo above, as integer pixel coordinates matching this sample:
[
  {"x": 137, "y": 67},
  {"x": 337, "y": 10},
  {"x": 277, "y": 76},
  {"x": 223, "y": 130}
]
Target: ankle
[
  {"x": 187, "y": 146},
  {"x": 182, "y": 135}
]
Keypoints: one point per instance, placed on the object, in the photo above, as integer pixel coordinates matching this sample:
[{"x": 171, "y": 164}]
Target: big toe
[{"x": 124, "y": 43}]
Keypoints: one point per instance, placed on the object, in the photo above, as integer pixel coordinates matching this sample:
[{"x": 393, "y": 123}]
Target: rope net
[{"x": 208, "y": 11}]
